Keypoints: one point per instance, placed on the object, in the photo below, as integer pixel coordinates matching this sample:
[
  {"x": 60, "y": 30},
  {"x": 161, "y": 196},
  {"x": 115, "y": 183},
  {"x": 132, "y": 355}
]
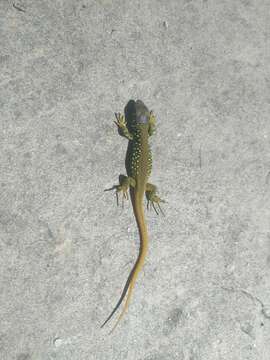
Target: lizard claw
[
  {"x": 120, "y": 120},
  {"x": 124, "y": 190},
  {"x": 153, "y": 201}
]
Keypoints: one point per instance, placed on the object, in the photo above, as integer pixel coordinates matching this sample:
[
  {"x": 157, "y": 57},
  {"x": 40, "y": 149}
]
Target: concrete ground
[{"x": 66, "y": 249}]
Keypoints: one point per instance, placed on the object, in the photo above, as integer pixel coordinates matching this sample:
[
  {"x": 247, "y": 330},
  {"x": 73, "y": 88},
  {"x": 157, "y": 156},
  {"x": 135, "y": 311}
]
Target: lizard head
[{"x": 142, "y": 113}]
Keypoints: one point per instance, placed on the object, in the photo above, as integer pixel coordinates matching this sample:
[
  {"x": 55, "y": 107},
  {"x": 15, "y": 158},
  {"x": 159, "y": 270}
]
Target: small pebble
[
  {"x": 57, "y": 342},
  {"x": 165, "y": 24}
]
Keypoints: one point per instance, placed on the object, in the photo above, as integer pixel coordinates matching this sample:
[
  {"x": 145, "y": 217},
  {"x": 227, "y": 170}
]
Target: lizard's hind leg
[
  {"x": 124, "y": 183},
  {"x": 152, "y": 198}
]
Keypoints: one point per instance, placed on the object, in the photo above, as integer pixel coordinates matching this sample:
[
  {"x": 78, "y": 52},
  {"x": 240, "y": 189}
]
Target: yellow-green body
[{"x": 137, "y": 127}]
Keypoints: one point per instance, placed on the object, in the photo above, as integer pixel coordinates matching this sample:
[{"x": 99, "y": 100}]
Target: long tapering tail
[{"x": 137, "y": 202}]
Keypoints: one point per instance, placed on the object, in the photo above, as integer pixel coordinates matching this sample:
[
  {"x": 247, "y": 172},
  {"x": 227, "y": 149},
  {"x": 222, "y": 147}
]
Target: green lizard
[{"x": 138, "y": 125}]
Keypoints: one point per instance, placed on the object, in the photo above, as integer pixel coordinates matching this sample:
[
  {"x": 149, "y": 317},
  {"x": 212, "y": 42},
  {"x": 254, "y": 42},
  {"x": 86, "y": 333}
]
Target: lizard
[{"x": 137, "y": 126}]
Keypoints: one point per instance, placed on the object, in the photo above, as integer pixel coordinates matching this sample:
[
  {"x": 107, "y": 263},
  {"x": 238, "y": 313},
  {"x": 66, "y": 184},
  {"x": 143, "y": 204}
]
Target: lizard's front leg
[
  {"x": 152, "y": 123},
  {"x": 152, "y": 198},
  {"x": 122, "y": 126}
]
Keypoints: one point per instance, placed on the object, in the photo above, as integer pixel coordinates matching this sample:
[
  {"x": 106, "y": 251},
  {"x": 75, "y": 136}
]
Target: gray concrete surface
[{"x": 66, "y": 249}]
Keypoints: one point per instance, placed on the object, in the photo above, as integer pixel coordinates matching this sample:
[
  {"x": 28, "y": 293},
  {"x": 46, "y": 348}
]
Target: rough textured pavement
[{"x": 66, "y": 249}]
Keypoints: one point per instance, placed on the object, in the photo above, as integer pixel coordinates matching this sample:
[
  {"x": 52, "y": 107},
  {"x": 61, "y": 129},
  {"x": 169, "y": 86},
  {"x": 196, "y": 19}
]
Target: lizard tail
[
  {"x": 139, "y": 215},
  {"x": 137, "y": 203},
  {"x": 121, "y": 297}
]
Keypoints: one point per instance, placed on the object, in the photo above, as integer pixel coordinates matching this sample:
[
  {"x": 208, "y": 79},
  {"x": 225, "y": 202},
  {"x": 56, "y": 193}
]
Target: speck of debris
[
  {"x": 57, "y": 342},
  {"x": 165, "y": 24}
]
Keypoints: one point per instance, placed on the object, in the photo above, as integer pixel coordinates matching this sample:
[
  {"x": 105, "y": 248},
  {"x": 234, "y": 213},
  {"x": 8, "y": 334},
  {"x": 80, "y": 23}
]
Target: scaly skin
[{"x": 140, "y": 126}]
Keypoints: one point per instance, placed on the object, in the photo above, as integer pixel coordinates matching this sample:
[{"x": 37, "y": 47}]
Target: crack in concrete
[{"x": 252, "y": 297}]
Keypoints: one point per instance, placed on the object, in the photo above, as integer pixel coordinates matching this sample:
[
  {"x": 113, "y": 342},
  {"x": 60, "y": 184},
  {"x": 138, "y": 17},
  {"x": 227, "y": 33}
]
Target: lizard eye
[{"x": 142, "y": 119}]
